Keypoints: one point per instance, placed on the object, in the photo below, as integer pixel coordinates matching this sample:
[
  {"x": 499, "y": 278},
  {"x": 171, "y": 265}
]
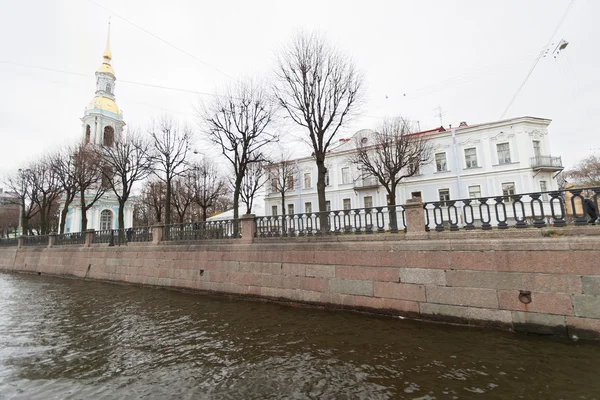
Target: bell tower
[{"x": 102, "y": 120}]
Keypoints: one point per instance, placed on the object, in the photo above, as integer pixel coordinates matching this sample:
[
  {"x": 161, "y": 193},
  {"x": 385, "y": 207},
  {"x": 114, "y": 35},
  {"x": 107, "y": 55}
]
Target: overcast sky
[{"x": 467, "y": 57}]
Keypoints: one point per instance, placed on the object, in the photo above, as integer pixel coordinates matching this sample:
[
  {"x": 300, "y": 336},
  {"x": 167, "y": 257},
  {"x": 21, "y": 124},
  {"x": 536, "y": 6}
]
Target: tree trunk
[
  {"x": 83, "y": 212},
  {"x": 204, "y": 213},
  {"x": 63, "y": 216},
  {"x": 321, "y": 171},
  {"x": 393, "y": 210},
  {"x": 122, "y": 221},
  {"x": 283, "y": 221},
  {"x": 43, "y": 219},
  {"x": 168, "y": 203}
]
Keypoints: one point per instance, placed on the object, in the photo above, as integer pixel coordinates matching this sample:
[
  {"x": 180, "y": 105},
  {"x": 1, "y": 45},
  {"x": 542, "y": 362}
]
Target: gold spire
[{"x": 107, "y": 56}]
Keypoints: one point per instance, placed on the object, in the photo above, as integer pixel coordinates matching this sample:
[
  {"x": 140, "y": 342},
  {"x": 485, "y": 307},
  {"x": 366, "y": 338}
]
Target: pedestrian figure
[{"x": 589, "y": 208}]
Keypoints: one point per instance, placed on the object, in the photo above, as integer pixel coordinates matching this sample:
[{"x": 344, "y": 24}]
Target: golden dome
[
  {"x": 107, "y": 68},
  {"x": 104, "y": 103}
]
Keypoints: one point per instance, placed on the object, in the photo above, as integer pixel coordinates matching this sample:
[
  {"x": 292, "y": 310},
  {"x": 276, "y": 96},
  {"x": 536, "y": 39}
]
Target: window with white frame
[
  {"x": 307, "y": 180},
  {"x": 290, "y": 183},
  {"x": 327, "y": 178},
  {"x": 368, "y": 201},
  {"x": 544, "y": 188},
  {"x": 444, "y": 195},
  {"x": 415, "y": 195},
  {"x": 308, "y": 207},
  {"x": 346, "y": 175},
  {"x": 503, "y": 150},
  {"x": 508, "y": 189},
  {"x": 274, "y": 211},
  {"x": 290, "y": 209},
  {"x": 474, "y": 191},
  {"x": 347, "y": 204},
  {"x": 106, "y": 220},
  {"x": 327, "y": 205},
  {"x": 440, "y": 162},
  {"x": 274, "y": 185},
  {"x": 471, "y": 157},
  {"x": 537, "y": 148}
]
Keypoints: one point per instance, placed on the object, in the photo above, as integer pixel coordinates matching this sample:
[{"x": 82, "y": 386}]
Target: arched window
[
  {"x": 106, "y": 220},
  {"x": 109, "y": 136},
  {"x": 88, "y": 134},
  {"x": 108, "y": 88}
]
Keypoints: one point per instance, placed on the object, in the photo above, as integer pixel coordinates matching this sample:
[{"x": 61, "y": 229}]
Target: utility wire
[
  {"x": 539, "y": 57},
  {"x": 161, "y": 39}
]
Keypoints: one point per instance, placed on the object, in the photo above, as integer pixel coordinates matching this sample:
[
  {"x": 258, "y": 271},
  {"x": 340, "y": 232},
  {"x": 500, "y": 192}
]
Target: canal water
[{"x": 73, "y": 339}]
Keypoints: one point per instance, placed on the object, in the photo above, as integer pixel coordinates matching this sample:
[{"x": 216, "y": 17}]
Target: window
[
  {"x": 274, "y": 211},
  {"x": 290, "y": 209},
  {"x": 544, "y": 188},
  {"x": 88, "y": 134},
  {"x": 308, "y": 207},
  {"x": 346, "y": 175},
  {"x": 307, "y": 180},
  {"x": 503, "y": 153},
  {"x": 107, "y": 176},
  {"x": 290, "y": 183},
  {"x": 368, "y": 201},
  {"x": 327, "y": 205},
  {"x": 471, "y": 157},
  {"x": 105, "y": 220},
  {"x": 415, "y": 195},
  {"x": 440, "y": 162},
  {"x": 474, "y": 191},
  {"x": 109, "y": 136},
  {"x": 274, "y": 185},
  {"x": 444, "y": 196},
  {"x": 327, "y": 178},
  {"x": 414, "y": 168},
  {"x": 387, "y": 199},
  {"x": 347, "y": 204},
  {"x": 508, "y": 189},
  {"x": 108, "y": 88},
  {"x": 537, "y": 148}
]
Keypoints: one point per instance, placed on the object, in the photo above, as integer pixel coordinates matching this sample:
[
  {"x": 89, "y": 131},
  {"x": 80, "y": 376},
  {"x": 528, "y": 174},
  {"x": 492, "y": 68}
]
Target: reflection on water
[{"x": 70, "y": 339}]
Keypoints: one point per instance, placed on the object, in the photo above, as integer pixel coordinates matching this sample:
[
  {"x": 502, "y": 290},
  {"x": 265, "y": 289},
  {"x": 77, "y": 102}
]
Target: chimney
[{"x": 462, "y": 124}]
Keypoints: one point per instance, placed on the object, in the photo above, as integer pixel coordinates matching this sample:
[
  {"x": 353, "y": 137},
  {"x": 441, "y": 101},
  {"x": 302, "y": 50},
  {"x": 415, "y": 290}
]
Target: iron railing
[
  {"x": 555, "y": 208},
  {"x": 139, "y": 234},
  {"x": 35, "y": 240},
  {"x": 5, "y": 242},
  {"x": 225, "y": 229},
  {"x": 355, "y": 221},
  {"x": 70, "y": 238},
  {"x": 546, "y": 162}
]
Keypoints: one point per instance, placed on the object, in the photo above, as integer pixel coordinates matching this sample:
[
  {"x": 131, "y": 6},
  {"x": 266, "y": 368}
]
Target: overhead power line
[{"x": 539, "y": 57}]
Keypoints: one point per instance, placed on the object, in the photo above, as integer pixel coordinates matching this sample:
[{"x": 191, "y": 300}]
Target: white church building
[
  {"x": 490, "y": 159},
  {"x": 102, "y": 124}
]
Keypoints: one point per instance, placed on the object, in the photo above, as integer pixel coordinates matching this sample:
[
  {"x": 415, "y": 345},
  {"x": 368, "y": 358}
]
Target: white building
[
  {"x": 102, "y": 124},
  {"x": 491, "y": 159}
]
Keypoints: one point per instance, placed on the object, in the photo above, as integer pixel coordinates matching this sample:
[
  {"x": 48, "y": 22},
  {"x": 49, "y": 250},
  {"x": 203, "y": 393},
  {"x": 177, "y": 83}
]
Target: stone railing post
[
  {"x": 51, "y": 239},
  {"x": 248, "y": 228},
  {"x": 415, "y": 219},
  {"x": 20, "y": 241},
  {"x": 90, "y": 234},
  {"x": 158, "y": 232}
]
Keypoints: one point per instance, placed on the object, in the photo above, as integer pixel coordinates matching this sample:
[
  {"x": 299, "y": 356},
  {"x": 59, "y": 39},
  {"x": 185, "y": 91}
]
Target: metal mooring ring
[{"x": 525, "y": 296}]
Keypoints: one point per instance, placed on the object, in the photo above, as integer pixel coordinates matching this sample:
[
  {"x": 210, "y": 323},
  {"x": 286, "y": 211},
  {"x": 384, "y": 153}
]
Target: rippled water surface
[{"x": 71, "y": 339}]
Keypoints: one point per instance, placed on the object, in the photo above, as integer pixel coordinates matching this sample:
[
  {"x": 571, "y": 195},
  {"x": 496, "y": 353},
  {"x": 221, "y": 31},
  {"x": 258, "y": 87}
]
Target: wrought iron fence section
[
  {"x": 556, "y": 208},
  {"x": 139, "y": 234},
  {"x": 35, "y": 240},
  {"x": 106, "y": 236},
  {"x": 70, "y": 238},
  {"x": 203, "y": 230},
  {"x": 357, "y": 221},
  {"x": 5, "y": 242}
]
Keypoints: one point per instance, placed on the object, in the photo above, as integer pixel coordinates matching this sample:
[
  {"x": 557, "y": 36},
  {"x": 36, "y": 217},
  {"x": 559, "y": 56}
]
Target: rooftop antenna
[{"x": 439, "y": 114}]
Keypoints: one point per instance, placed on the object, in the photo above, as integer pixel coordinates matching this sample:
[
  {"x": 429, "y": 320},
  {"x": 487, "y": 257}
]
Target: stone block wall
[{"x": 547, "y": 285}]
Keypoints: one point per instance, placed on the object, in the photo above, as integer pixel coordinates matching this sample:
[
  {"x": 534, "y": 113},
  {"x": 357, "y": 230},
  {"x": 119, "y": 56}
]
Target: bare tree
[
  {"x": 9, "y": 219},
  {"x": 209, "y": 186},
  {"x": 254, "y": 179},
  {"x": 391, "y": 154},
  {"x": 320, "y": 88},
  {"x": 183, "y": 194},
  {"x": 238, "y": 121},
  {"x": 24, "y": 194},
  {"x": 283, "y": 177},
  {"x": 586, "y": 172},
  {"x": 47, "y": 190},
  {"x": 88, "y": 175},
  {"x": 127, "y": 162},
  {"x": 63, "y": 163},
  {"x": 171, "y": 144},
  {"x": 153, "y": 197}
]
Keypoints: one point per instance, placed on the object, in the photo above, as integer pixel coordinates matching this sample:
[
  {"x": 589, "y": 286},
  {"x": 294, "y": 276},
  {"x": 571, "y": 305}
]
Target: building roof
[{"x": 105, "y": 104}]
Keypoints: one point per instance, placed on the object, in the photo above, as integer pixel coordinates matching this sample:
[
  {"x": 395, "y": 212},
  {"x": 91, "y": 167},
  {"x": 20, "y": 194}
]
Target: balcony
[
  {"x": 366, "y": 183},
  {"x": 546, "y": 163}
]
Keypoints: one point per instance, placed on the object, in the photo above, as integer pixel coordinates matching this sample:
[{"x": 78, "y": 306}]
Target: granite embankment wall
[{"x": 523, "y": 282}]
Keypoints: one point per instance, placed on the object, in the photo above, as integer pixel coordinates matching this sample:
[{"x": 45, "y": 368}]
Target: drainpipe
[{"x": 458, "y": 167}]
